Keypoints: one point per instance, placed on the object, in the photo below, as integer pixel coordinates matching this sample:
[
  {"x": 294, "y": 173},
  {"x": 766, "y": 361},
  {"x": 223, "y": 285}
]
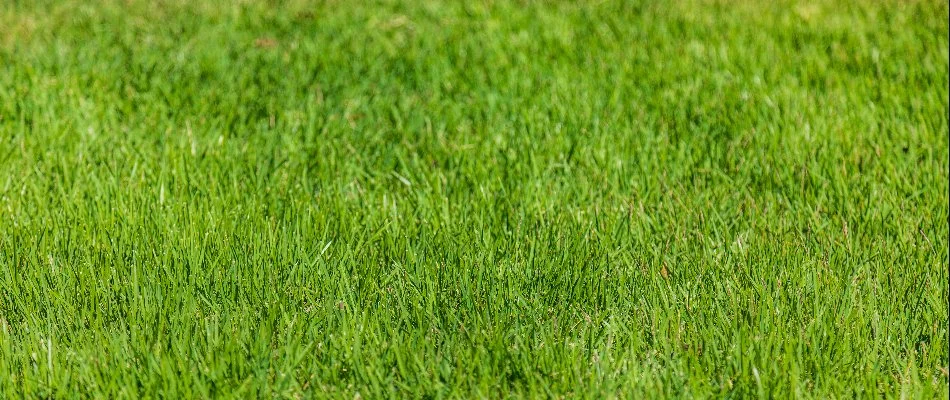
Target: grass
[{"x": 448, "y": 199}]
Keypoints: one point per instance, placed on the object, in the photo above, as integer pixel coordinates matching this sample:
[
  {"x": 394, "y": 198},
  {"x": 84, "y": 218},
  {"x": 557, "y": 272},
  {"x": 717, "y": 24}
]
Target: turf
[{"x": 456, "y": 199}]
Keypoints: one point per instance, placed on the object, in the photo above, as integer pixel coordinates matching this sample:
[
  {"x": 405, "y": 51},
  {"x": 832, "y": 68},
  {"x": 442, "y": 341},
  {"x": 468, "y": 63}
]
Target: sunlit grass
[{"x": 473, "y": 199}]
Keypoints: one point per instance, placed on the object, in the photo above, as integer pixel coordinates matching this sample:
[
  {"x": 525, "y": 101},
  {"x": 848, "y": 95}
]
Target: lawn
[{"x": 474, "y": 199}]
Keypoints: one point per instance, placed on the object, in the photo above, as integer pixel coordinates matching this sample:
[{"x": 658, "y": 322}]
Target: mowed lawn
[{"x": 473, "y": 199}]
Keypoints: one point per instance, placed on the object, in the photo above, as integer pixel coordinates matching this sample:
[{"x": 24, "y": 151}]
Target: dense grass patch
[{"x": 473, "y": 199}]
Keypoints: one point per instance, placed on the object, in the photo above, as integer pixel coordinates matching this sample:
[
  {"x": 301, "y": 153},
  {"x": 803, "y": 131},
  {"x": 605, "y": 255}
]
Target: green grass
[{"x": 434, "y": 199}]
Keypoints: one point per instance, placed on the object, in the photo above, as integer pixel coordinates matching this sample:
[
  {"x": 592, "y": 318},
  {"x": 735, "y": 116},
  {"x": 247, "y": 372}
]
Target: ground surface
[{"x": 473, "y": 199}]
